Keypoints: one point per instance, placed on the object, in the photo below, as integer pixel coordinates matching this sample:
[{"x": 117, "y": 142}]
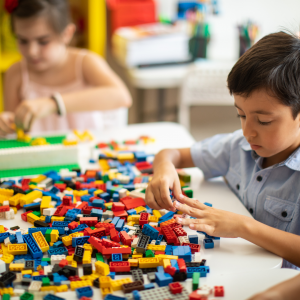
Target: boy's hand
[
  {"x": 214, "y": 222},
  {"x": 271, "y": 294},
  {"x": 157, "y": 193},
  {"x": 7, "y": 120},
  {"x": 30, "y": 110}
]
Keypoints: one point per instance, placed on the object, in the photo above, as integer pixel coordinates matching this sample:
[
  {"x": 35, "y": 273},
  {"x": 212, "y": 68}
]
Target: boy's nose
[
  {"x": 32, "y": 50},
  {"x": 248, "y": 130}
]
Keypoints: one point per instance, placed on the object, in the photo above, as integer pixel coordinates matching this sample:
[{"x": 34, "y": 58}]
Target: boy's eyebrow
[
  {"x": 37, "y": 38},
  {"x": 261, "y": 112}
]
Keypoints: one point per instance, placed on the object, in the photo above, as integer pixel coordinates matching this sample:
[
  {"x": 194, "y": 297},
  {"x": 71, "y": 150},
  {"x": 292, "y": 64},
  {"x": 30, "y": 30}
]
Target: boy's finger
[
  {"x": 156, "y": 194},
  {"x": 150, "y": 201},
  {"x": 188, "y": 210},
  {"x": 187, "y": 222},
  {"x": 192, "y": 202},
  {"x": 166, "y": 198},
  {"x": 177, "y": 189}
]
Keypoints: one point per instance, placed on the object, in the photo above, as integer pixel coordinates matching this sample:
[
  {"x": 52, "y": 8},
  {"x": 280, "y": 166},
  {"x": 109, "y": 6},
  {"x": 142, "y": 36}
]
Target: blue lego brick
[
  {"x": 159, "y": 239},
  {"x": 19, "y": 237},
  {"x": 53, "y": 196},
  {"x": 105, "y": 196},
  {"x": 86, "y": 291},
  {"x": 136, "y": 295},
  {"x": 90, "y": 180},
  {"x": 169, "y": 250},
  {"x": 115, "y": 220},
  {"x": 193, "y": 239},
  {"x": 3, "y": 236},
  {"x": 54, "y": 190},
  {"x": 163, "y": 279},
  {"x": 86, "y": 198},
  {"x": 140, "y": 156},
  {"x": 126, "y": 229},
  {"x": 160, "y": 269},
  {"x": 112, "y": 275},
  {"x": 149, "y": 286},
  {"x": 24, "y": 256},
  {"x": 48, "y": 219},
  {"x": 120, "y": 225},
  {"x": 115, "y": 197},
  {"x": 52, "y": 297},
  {"x": 61, "y": 230},
  {"x": 57, "y": 251},
  {"x": 208, "y": 204},
  {"x": 208, "y": 243},
  {"x": 80, "y": 240},
  {"x": 98, "y": 203},
  {"x": 96, "y": 213},
  {"x": 33, "y": 247},
  {"x": 60, "y": 224},
  {"x": 44, "y": 263},
  {"x": 114, "y": 297},
  {"x": 12, "y": 239},
  {"x": 80, "y": 227},
  {"x": 212, "y": 237},
  {"x": 58, "y": 244},
  {"x": 167, "y": 216},
  {"x": 183, "y": 252},
  {"x": 174, "y": 264},
  {"x": 116, "y": 257},
  {"x": 26, "y": 206},
  {"x": 150, "y": 231},
  {"x": 26, "y": 276},
  {"x": 203, "y": 270},
  {"x": 149, "y": 210},
  {"x": 131, "y": 212},
  {"x": 129, "y": 187},
  {"x": 38, "y": 277},
  {"x": 56, "y": 280}
]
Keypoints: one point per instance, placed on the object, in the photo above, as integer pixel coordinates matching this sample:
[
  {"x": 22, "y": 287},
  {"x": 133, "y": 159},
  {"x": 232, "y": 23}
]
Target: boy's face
[{"x": 268, "y": 125}]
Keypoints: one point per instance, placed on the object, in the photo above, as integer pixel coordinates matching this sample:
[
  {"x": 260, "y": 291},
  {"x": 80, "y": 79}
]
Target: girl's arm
[{"x": 216, "y": 222}]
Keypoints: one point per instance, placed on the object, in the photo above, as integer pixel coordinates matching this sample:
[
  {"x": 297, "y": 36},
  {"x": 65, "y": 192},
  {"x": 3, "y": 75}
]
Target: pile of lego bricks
[{"x": 98, "y": 220}]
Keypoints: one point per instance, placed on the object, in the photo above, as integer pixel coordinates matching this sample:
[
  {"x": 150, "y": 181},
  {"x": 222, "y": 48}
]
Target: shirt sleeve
[{"x": 212, "y": 155}]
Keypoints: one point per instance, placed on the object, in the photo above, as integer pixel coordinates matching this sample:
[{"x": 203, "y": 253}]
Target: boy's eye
[
  {"x": 43, "y": 42},
  {"x": 264, "y": 123},
  {"x": 241, "y": 116},
  {"x": 23, "y": 42}
]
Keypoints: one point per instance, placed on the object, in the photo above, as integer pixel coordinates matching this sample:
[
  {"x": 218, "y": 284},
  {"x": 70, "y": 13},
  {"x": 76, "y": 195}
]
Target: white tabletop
[{"x": 233, "y": 255}]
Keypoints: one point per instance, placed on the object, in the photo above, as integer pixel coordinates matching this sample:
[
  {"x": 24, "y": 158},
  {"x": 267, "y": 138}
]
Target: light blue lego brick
[
  {"x": 174, "y": 264},
  {"x": 80, "y": 240},
  {"x": 58, "y": 244},
  {"x": 105, "y": 196},
  {"x": 120, "y": 225},
  {"x": 115, "y": 220},
  {"x": 136, "y": 295},
  {"x": 112, "y": 275},
  {"x": 57, "y": 251},
  {"x": 160, "y": 269},
  {"x": 98, "y": 203},
  {"x": 96, "y": 213},
  {"x": 208, "y": 204},
  {"x": 167, "y": 216},
  {"x": 149, "y": 286},
  {"x": 163, "y": 279},
  {"x": 86, "y": 198}
]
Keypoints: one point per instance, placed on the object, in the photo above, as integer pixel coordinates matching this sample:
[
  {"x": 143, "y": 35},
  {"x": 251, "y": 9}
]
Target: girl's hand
[
  {"x": 214, "y": 222},
  {"x": 30, "y": 110},
  {"x": 7, "y": 120},
  {"x": 157, "y": 193}
]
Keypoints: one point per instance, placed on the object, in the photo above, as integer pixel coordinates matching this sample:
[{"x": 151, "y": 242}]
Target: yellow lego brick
[
  {"x": 14, "y": 209},
  {"x": 26, "y": 272},
  {"x": 16, "y": 267},
  {"x": 31, "y": 218},
  {"x": 153, "y": 219},
  {"x": 148, "y": 262},
  {"x": 90, "y": 277},
  {"x": 156, "y": 247},
  {"x": 77, "y": 284},
  {"x": 99, "y": 182},
  {"x": 40, "y": 141},
  {"x": 105, "y": 281},
  {"x": 161, "y": 257},
  {"x": 43, "y": 218},
  {"x": 137, "y": 255},
  {"x": 125, "y": 156},
  {"x": 166, "y": 262},
  {"x": 49, "y": 288},
  {"x": 9, "y": 291},
  {"x": 134, "y": 218},
  {"x": 156, "y": 213},
  {"x": 45, "y": 203},
  {"x": 6, "y": 192},
  {"x": 131, "y": 223},
  {"x": 28, "y": 198},
  {"x": 117, "y": 284},
  {"x": 2, "y": 230},
  {"x": 98, "y": 192},
  {"x": 17, "y": 249},
  {"x": 133, "y": 262},
  {"x": 7, "y": 258},
  {"x": 35, "y": 274},
  {"x": 62, "y": 288},
  {"x": 15, "y": 200},
  {"x": 106, "y": 291},
  {"x": 104, "y": 166},
  {"x": 4, "y": 248},
  {"x": 41, "y": 241},
  {"x": 38, "y": 179},
  {"x": 67, "y": 240},
  {"x": 54, "y": 235},
  {"x": 102, "y": 268},
  {"x": 87, "y": 257},
  {"x": 69, "y": 142},
  {"x": 71, "y": 261},
  {"x": 88, "y": 247},
  {"x": 59, "y": 219},
  {"x": 140, "y": 209}
]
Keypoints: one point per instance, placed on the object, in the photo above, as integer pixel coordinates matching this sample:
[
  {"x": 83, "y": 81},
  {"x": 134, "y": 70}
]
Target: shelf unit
[{"x": 95, "y": 35}]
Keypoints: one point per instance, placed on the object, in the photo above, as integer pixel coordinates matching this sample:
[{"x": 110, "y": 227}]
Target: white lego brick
[
  {"x": 124, "y": 179},
  {"x": 183, "y": 239},
  {"x": 41, "y": 294},
  {"x": 23, "y": 231},
  {"x": 7, "y": 241},
  {"x": 49, "y": 211},
  {"x": 19, "y": 276},
  {"x": 45, "y": 183},
  {"x": 2, "y": 266},
  {"x": 35, "y": 286},
  {"x": 48, "y": 269},
  {"x": 2, "y": 215},
  {"x": 163, "y": 243},
  {"x": 141, "y": 185},
  {"x": 153, "y": 242},
  {"x": 122, "y": 193},
  {"x": 130, "y": 227},
  {"x": 136, "y": 171},
  {"x": 79, "y": 179},
  {"x": 206, "y": 288},
  {"x": 134, "y": 242},
  {"x": 131, "y": 232},
  {"x": 196, "y": 257},
  {"x": 19, "y": 292},
  {"x": 55, "y": 259},
  {"x": 216, "y": 243},
  {"x": 37, "y": 200},
  {"x": 67, "y": 173},
  {"x": 6, "y": 202}
]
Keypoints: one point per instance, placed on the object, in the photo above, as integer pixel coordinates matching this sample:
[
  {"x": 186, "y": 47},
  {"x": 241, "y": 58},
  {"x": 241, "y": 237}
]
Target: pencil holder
[{"x": 198, "y": 47}]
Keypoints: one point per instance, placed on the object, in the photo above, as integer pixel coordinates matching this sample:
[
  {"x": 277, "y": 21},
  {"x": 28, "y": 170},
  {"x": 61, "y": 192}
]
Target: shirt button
[
  {"x": 259, "y": 178},
  {"x": 284, "y": 214},
  {"x": 237, "y": 186},
  {"x": 251, "y": 211}
]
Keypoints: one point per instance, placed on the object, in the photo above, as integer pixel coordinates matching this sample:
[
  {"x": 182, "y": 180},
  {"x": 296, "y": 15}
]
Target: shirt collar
[{"x": 292, "y": 162}]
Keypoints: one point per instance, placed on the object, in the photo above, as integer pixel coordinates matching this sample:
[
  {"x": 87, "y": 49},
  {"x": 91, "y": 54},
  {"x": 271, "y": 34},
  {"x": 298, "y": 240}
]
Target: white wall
[{"x": 271, "y": 15}]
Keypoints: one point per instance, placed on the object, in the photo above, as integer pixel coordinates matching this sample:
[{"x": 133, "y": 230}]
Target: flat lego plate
[
  {"x": 53, "y": 140},
  {"x": 34, "y": 171}
]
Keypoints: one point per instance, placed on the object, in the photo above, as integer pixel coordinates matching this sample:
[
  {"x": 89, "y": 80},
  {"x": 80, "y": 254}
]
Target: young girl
[
  {"x": 261, "y": 162},
  {"x": 55, "y": 86}
]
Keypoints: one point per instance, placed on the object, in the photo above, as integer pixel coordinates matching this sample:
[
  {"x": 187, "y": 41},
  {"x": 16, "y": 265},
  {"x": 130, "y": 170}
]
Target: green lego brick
[
  {"x": 109, "y": 207},
  {"x": 26, "y": 296},
  {"x": 92, "y": 227},
  {"x": 34, "y": 171},
  {"x": 45, "y": 281},
  {"x": 37, "y": 213},
  {"x": 195, "y": 281},
  {"x": 53, "y": 140},
  {"x": 6, "y": 297},
  {"x": 99, "y": 257},
  {"x": 149, "y": 253},
  {"x": 48, "y": 235},
  {"x": 188, "y": 191},
  {"x": 105, "y": 178},
  {"x": 48, "y": 259}
]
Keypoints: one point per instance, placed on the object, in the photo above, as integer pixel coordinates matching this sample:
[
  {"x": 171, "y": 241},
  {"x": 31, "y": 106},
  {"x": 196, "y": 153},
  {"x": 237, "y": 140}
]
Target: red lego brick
[
  {"x": 83, "y": 205},
  {"x": 169, "y": 235},
  {"x": 87, "y": 210},
  {"x": 100, "y": 186},
  {"x": 125, "y": 238},
  {"x": 98, "y": 232},
  {"x": 194, "y": 247},
  {"x": 96, "y": 243},
  {"x": 109, "y": 251},
  {"x": 219, "y": 291},
  {"x": 143, "y": 165},
  {"x": 73, "y": 225},
  {"x": 60, "y": 186},
  {"x": 117, "y": 206},
  {"x": 170, "y": 270},
  {"x": 67, "y": 200},
  {"x": 144, "y": 218},
  {"x": 179, "y": 231},
  {"x": 91, "y": 173},
  {"x": 102, "y": 145},
  {"x": 24, "y": 215},
  {"x": 181, "y": 265},
  {"x": 63, "y": 263},
  {"x": 107, "y": 226},
  {"x": 175, "y": 288},
  {"x": 195, "y": 296},
  {"x": 85, "y": 298},
  {"x": 109, "y": 244},
  {"x": 74, "y": 278},
  {"x": 114, "y": 235},
  {"x": 160, "y": 252},
  {"x": 137, "y": 180},
  {"x": 25, "y": 183},
  {"x": 122, "y": 266},
  {"x": 131, "y": 202},
  {"x": 41, "y": 272},
  {"x": 60, "y": 211},
  {"x": 4, "y": 208},
  {"x": 90, "y": 221},
  {"x": 122, "y": 214}
]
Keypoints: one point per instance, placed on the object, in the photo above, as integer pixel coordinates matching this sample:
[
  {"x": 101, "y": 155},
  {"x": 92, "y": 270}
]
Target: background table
[{"x": 233, "y": 255}]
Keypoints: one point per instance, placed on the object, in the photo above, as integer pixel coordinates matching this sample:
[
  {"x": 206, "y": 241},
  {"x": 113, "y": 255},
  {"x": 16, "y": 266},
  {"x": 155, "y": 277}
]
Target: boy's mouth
[{"x": 255, "y": 147}]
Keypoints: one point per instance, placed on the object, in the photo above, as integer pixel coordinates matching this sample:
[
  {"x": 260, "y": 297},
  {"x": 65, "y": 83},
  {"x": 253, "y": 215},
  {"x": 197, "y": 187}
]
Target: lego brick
[
  {"x": 33, "y": 247},
  {"x": 17, "y": 249},
  {"x": 142, "y": 244},
  {"x": 133, "y": 286},
  {"x": 119, "y": 266},
  {"x": 137, "y": 275},
  {"x": 41, "y": 241}
]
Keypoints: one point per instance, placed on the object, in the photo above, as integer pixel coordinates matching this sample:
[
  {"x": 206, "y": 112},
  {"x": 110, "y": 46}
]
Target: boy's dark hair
[
  {"x": 273, "y": 63},
  {"x": 57, "y": 12}
]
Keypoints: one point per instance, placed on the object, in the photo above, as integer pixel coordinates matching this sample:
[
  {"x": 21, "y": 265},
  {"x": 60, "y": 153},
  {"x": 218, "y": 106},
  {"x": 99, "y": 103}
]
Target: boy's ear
[{"x": 68, "y": 33}]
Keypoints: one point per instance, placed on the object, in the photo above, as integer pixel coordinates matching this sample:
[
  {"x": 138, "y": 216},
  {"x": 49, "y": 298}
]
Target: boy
[{"x": 260, "y": 163}]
